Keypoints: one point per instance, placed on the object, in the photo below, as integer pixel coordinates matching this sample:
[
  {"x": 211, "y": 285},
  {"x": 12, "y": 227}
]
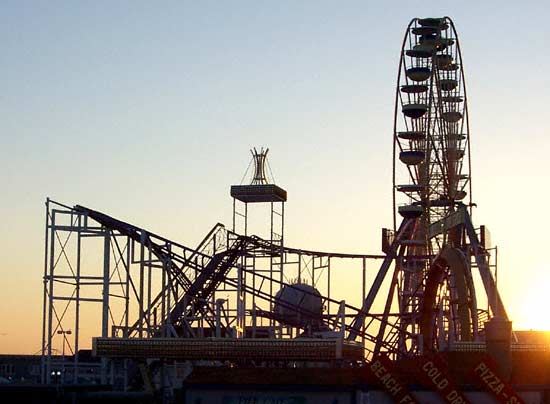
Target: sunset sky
[{"x": 147, "y": 112}]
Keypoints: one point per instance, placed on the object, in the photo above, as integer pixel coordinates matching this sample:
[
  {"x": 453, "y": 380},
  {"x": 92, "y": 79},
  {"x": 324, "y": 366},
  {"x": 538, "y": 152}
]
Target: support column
[
  {"x": 50, "y": 299},
  {"x": 77, "y": 301},
  {"x": 44, "y": 303},
  {"x": 105, "y": 304},
  {"x": 141, "y": 274}
]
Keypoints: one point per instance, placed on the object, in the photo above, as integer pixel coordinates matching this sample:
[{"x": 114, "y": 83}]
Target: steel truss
[{"x": 432, "y": 331}]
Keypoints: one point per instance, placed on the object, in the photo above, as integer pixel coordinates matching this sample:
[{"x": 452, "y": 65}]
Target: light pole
[{"x": 64, "y": 333}]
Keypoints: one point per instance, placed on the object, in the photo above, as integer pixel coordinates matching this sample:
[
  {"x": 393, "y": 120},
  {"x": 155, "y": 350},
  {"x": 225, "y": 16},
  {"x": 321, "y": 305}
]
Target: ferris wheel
[
  {"x": 431, "y": 180},
  {"x": 431, "y": 128},
  {"x": 436, "y": 251}
]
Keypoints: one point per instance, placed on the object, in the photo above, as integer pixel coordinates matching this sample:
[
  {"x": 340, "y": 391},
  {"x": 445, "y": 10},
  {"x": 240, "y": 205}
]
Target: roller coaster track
[{"x": 199, "y": 274}]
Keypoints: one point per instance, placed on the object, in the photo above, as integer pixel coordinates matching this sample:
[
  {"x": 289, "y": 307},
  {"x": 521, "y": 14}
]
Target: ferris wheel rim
[{"x": 459, "y": 181}]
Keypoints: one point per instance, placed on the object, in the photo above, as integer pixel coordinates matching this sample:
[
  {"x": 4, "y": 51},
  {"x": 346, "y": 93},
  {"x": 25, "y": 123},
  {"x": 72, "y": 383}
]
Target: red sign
[
  {"x": 382, "y": 369},
  {"x": 434, "y": 373},
  {"x": 487, "y": 376}
]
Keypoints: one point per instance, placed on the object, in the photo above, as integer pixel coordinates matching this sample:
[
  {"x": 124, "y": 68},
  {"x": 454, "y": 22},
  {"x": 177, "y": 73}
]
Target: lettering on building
[
  {"x": 435, "y": 375},
  {"x": 382, "y": 369},
  {"x": 487, "y": 376}
]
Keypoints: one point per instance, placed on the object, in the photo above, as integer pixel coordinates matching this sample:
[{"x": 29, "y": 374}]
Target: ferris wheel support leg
[
  {"x": 359, "y": 319},
  {"x": 380, "y": 338},
  {"x": 495, "y": 302}
]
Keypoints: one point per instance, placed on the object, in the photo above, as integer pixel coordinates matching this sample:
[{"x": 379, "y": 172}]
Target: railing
[{"x": 482, "y": 347}]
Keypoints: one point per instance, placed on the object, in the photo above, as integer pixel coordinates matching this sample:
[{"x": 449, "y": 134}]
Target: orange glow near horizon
[{"x": 533, "y": 310}]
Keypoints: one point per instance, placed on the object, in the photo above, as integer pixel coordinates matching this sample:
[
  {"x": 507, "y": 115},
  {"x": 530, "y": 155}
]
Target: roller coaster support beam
[{"x": 105, "y": 305}]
